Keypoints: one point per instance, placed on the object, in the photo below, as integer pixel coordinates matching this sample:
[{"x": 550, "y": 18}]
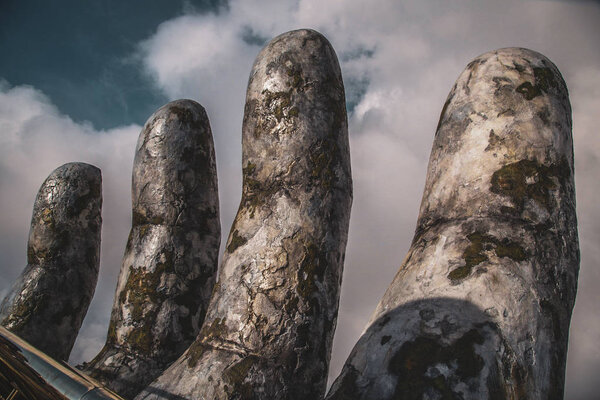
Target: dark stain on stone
[
  {"x": 443, "y": 113},
  {"x": 519, "y": 67},
  {"x": 558, "y": 357},
  {"x": 427, "y": 314},
  {"x": 312, "y": 269},
  {"x": 185, "y": 117},
  {"x": 544, "y": 115},
  {"x": 413, "y": 360},
  {"x": 506, "y": 113},
  {"x": 385, "y": 339},
  {"x": 528, "y": 90},
  {"x": 384, "y": 321},
  {"x": 494, "y": 141},
  {"x": 544, "y": 78},
  {"x": 544, "y": 81}
]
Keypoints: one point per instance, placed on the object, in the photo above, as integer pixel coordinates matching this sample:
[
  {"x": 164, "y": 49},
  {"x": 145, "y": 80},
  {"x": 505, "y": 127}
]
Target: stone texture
[
  {"x": 270, "y": 324},
  {"x": 48, "y": 302},
  {"x": 480, "y": 308},
  {"x": 170, "y": 262}
]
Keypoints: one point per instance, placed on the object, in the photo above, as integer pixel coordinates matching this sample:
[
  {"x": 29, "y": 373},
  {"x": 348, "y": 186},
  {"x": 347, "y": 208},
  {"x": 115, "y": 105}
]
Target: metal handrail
[{"x": 38, "y": 376}]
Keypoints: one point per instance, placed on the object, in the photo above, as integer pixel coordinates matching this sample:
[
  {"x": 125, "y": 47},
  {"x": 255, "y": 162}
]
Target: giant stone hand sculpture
[{"x": 479, "y": 309}]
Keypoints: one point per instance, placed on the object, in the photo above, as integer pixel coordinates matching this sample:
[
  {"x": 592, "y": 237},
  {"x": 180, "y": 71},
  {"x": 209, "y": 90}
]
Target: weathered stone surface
[
  {"x": 269, "y": 328},
  {"x": 48, "y": 302},
  {"x": 170, "y": 263},
  {"x": 480, "y": 308}
]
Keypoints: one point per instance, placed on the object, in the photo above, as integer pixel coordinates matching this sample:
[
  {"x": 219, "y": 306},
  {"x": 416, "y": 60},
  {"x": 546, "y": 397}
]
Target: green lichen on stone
[
  {"x": 140, "y": 338},
  {"x": 506, "y": 248},
  {"x": 144, "y": 230},
  {"x": 475, "y": 253},
  {"x": 235, "y": 241},
  {"x": 111, "y": 336},
  {"x": 237, "y": 372},
  {"x": 142, "y": 297},
  {"x": 141, "y": 289},
  {"x": 528, "y": 179},
  {"x": 139, "y": 219},
  {"x": 278, "y": 103},
  {"x": 249, "y": 169},
  {"x": 322, "y": 157},
  {"x": 195, "y": 352},
  {"x": 216, "y": 329},
  {"x": 295, "y": 74},
  {"x": 255, "y": 193}
]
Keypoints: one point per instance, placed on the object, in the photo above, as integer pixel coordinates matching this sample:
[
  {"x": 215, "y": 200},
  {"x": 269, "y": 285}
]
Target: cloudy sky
[{"x": 79, "y": 79}]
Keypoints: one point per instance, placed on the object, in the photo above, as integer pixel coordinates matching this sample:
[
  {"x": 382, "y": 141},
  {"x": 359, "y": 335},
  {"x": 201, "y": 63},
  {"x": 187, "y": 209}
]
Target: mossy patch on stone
[
  {"x": 140, "y": 338},
  {"x": 277, "y": 102},
  {"x": 195, "y": 352},
  {"x": 235, "y": 241},
  {"x": 254, "y": 192},
  {"x": 139, "y": 219},
  {"x": 323, "y": 156},
  {"x": 528, "y": 179},
  {"x": 47, "y": 217},
  {"x": 237, "y": 372},
  {"x": 216, "y": 329},
  {"x": 475, "y": 253},
  {"x": 142, "y": 297}
]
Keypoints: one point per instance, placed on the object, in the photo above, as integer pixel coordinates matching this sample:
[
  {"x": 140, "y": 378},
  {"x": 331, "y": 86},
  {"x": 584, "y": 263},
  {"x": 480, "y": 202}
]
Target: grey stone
[
  {"x": 48, "y": 302},
  {"x": 270, "y": 324},
  {"x": 170, "y": 262},
  {"x": 480, "y": 308}
]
